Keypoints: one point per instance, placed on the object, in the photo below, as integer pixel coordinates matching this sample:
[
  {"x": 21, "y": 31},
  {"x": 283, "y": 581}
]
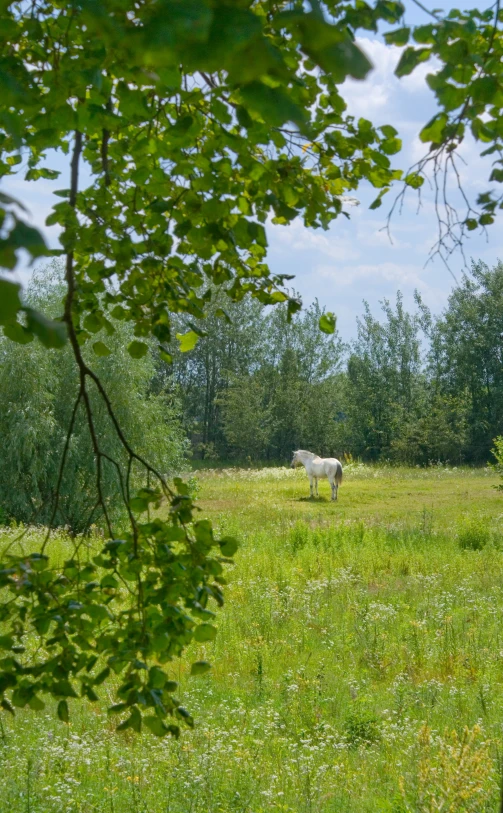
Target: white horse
[{"x": 317, "y": 467}]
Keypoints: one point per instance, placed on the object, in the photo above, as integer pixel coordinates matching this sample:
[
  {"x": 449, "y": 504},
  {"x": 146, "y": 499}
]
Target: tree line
[{"x": 411, "y": 387}]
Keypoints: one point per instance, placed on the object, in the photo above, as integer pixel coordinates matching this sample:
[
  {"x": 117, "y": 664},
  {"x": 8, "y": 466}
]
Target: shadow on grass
[{"x": 311, "y": 499}]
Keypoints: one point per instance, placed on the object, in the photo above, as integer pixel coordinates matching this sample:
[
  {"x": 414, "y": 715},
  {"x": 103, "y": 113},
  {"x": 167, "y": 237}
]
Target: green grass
[{"x": 358, "y": 666}]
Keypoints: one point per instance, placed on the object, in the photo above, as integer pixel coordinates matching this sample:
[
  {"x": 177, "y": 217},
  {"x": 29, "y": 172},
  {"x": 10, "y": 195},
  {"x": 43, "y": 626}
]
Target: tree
[
  {"x": 256, "y": 351},
  {"x": 466, "y": 354},
  {"x": 35, "y": 410},
  {"x": 231, "y": 348},
  {"x": 383, "y": 378},
  {"x": 437, "y": 431},
  {"x": 247, "y": 419},
  {"x": 196, "y": 120}
]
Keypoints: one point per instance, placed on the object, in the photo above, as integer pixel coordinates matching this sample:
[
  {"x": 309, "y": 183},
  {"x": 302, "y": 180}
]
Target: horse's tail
[{"x": 338, "y": 473}]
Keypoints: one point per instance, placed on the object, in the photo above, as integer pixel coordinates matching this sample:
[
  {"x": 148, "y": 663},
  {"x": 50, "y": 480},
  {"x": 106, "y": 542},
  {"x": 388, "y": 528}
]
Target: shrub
[
  {"x": 497, "y": 452},
  {"x": 474, "y": 534},
  {"x": 362, "y": 727}
]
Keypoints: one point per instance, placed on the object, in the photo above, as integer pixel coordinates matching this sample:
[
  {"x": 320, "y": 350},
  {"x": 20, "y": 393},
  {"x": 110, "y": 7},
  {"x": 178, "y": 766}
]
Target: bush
[
  {"x": 497, "y": 452},
  {"x": 37, "y": 392},
  {"x": 474, "y": 534},
  {"x": 362, "y": 727}
]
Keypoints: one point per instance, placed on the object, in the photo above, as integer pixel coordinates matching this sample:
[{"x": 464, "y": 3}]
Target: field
[{"x": 358, "y": 666}]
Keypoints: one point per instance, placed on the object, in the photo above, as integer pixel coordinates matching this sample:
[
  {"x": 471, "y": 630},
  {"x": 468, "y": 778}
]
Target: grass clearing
[{"x": 358, "y": 666}]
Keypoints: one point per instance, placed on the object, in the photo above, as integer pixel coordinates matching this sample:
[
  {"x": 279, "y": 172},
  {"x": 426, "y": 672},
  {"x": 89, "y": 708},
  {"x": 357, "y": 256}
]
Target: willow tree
[{"x": 186, "y": 125}]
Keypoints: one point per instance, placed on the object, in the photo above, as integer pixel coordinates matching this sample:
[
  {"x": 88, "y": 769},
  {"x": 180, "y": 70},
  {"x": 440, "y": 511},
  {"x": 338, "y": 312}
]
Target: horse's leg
[
  {"x": 316, "y": 486},
  {"x": 311, "y": 485},
  {"x": 332, "y": 486},
  {"x": 336, "y": 490}
]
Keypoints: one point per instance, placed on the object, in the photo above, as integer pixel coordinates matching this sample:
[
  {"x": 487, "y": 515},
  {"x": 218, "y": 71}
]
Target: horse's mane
[{"x": 303, "y": 451}]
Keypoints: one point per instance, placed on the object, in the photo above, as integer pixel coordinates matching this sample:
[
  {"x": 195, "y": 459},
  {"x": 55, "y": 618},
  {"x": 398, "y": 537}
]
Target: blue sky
[{"x": 355, "y": 259}]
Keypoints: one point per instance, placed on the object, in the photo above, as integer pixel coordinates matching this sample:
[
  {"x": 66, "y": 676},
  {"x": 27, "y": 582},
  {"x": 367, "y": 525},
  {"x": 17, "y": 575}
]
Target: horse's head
[{"x": 295, "y": 461}]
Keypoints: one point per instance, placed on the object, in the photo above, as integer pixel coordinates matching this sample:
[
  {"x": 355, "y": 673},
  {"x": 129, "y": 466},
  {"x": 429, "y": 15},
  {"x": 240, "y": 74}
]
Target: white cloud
[
  {"x": 373, "y": 273},
  {"x": 38, "y": 199},
  {"x": 296, "y": 237},
  {"x": 382, "y": 90}
]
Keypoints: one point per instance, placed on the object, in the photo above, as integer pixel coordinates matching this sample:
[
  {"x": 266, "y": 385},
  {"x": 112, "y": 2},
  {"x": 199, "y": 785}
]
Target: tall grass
[{"x": 358, "y": 666}]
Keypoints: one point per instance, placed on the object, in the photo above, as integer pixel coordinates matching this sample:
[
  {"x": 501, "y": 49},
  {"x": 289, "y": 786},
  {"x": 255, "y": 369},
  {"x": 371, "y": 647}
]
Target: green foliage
[
  {"x": 383, "y": 378},
  {"x": 474, "y": 534},
  {"x": 421, "y": 389},
  {"x": 10, "y": 301},
  {"x": 91, "y": 639},
  {"x": 193, "y": 486},
  {"x": 90, "y": 609},
  {"x": 247, "y": 418},
  {"x": 465, "y": 355},
  {"x": 362, "y": 727},
  {"x": 216, "y": 82},
  {"x": 437, "y": 432},
  {"x": 327, "y": 323},
  {"x": 497, "y": 452},
  {"x": 257, "y": 385},
  {"x": 413, "y": 389},
  {"x": 36, "y": 397}
]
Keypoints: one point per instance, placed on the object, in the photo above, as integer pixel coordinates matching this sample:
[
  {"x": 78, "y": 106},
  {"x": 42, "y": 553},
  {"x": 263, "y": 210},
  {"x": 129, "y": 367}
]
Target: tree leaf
[
  {"x": 378, "y": 201},
  {"x": 434, "y": 130},
  {"x": 10, "y": 301},
  {"x": 274, "y": 105},
  {"x": 327, "y": 322},
  {"x": 410, "y": 59},
  {"x": 134, "y": 721},
  {"x": 205, "y": 632},
  {"x": 27, "y": 237},
  {"x": 156, "y": 677},
  {"x": 63, "y": 712},
  {"x": 415, "y": 180},
  {"x": 187, "y": 340},
  {"x": 137, "y": 350},
  {"x": 4, "y": 703},
  {"x": 18, "y": 333},
  {"x": 200, "y": 668},
  {"x": 166, "y": 357},
  {"x": 228, "y": 546},
  {"x": 101, "y": 349},
  {"x": 52, "y": 334},
  {"x": 156, "y": 725},
  {"x": 184, "y": 715},
  {"x": 400, "y": 36},
  {"x": 36, "y": 703},
  {"x": 138, "y": 505}
]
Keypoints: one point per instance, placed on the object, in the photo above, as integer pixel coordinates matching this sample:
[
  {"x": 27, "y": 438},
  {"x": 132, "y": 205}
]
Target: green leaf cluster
[{"x": 199, "y": 119}]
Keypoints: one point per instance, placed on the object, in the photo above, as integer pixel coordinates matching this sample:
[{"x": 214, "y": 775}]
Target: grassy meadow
[{"x": 358, "y": 665}]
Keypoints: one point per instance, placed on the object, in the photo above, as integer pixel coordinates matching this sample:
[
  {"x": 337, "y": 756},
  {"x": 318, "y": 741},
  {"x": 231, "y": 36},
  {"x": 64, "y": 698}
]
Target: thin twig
[
  {"x": 434, "y": 14},
  {"x": 62, "y": 467}
]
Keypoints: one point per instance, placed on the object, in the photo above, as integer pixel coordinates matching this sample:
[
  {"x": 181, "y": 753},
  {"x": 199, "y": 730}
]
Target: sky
[{"x": 355, "y": 259}]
